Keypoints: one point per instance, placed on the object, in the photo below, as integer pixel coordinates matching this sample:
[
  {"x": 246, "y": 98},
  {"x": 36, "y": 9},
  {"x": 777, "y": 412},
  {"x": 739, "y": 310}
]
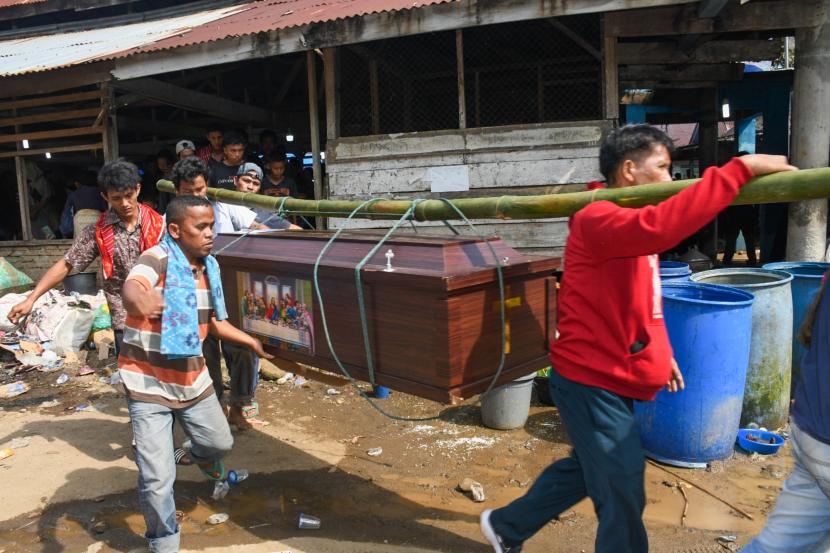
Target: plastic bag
[
  {"x": 73, "y": 329},
  {"x": 103, "y": 320},
  {"x": 6, "y": 303}
]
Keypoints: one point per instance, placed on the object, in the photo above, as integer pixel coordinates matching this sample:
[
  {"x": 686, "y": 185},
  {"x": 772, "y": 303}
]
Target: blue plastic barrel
[
  {"x": 709, "y": 328},
  {"x": 674, "y": 271},
  {"x": 767, "y": 392},
  {"x": 806, "y": 283}
]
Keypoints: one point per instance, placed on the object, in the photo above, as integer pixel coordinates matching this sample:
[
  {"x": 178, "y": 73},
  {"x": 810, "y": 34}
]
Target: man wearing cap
[
  {"x": 185, "y": 148},
  {"x": 249, "y": 179}
]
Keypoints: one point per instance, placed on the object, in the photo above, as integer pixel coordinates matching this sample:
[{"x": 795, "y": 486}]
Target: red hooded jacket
[{"x": 610, "y": 296}]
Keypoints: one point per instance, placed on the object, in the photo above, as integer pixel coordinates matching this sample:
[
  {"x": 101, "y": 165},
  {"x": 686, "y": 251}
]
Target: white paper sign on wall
[{"x": 449, "y": 178}]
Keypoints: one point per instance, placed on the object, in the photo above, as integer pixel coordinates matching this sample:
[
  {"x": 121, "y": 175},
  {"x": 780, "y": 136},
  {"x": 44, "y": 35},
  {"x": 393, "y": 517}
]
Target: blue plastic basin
[
  {"x": 759, "y": 447},
  {"x": 709, "y": 328}
]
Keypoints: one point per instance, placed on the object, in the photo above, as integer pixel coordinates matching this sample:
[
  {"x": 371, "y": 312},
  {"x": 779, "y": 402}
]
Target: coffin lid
[{"x": 447, "y": 257}]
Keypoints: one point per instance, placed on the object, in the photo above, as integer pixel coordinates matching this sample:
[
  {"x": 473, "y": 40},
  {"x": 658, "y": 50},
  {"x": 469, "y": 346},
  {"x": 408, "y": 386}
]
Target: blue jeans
[
  {"x": 800, "y": 522},
  {"x": 208, "y": 429}
]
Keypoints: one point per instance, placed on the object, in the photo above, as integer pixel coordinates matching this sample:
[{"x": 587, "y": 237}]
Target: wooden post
[
  {"x": 374, "y": 89},
  {"x": 807, "y": 225},
  {"x": 314, "y": 120},
  {"x": 330, "y": 60},
  {"x": 22, "y": 188},
  {"x": 610, "y": 76},
  {"x": 110, "y": 138},
  {"x": 462, "y": 97},
  {"x": 708, "y": 150}
]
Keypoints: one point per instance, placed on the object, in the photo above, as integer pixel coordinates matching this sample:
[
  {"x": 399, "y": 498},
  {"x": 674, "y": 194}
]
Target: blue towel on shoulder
[{"x": 180, "y": 318}]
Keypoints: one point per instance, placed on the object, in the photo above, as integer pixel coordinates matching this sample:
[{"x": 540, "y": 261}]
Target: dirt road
[{"x": 72, "y": 487}]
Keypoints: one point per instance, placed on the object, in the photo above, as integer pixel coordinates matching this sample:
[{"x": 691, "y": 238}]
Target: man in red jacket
[{"x": 612, "y": 346}]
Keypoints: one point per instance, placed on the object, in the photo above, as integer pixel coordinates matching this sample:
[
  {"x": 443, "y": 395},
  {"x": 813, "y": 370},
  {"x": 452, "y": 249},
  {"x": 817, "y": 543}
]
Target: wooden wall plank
[
  {"x": 40, "y": 151},
  {"x": 42, "y": 135},
  {"x": 52, "y": 100},
  {"x": 46, "y": 117}
]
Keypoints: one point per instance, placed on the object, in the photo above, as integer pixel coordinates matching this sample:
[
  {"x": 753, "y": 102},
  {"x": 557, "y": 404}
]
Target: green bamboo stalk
[{"x": 808, "y": 184}]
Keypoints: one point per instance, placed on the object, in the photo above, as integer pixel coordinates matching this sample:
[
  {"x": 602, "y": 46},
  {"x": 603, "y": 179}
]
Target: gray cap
[
  {"x": 248, "y": 168},
  {"x": 184, "y": 145}
]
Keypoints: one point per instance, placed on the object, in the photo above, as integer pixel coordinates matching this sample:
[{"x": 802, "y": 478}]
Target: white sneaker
[{"x": 492, "y": 537}]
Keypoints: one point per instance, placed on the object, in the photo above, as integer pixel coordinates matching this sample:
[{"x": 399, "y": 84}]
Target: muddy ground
[{"x": 72, "y": 486}]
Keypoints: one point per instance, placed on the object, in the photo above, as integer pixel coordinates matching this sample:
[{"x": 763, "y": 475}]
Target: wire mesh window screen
[
  {"x": 533, "y": 71},
  {"x": 515, "y": 73},
  {"x": 405, "y": 84}
]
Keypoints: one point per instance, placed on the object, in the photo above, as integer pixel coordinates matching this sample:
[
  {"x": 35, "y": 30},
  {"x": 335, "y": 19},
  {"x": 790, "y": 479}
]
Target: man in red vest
[
  {"x": 119, "y": 237},
  {"x": 613, "y": 347}
]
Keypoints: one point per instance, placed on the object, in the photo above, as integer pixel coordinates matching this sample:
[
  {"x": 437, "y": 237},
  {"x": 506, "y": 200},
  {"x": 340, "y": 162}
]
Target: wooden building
[{"x": 405, "y": 99}]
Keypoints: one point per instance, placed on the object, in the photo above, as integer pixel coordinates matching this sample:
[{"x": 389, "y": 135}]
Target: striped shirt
[{"x": 146, "y": 373}]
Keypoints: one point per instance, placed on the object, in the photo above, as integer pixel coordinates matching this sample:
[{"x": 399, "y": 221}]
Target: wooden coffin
[{"x": 434, "y": 320}]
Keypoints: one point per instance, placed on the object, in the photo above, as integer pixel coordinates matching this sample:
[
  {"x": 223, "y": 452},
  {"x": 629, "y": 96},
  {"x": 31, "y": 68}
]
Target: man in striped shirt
[{"x": 160, "y": 386}]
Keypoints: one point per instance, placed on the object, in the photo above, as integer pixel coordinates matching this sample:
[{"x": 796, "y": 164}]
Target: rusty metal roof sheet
[
  {"x": 12, "y": 3},
  {"x": 42, "y": 53}
]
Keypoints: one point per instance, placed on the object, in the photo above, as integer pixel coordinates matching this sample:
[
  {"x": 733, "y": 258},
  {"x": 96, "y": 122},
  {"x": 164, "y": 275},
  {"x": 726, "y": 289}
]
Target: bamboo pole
[{"x": 807, "y": 184}]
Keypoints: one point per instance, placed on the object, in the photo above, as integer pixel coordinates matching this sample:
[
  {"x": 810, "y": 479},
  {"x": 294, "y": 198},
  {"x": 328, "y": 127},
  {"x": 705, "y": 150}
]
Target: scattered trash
[
  {"x": 49, "y": 356},
  {"x": 332, "y": 392},
  {"x": 20, "y": 443},
  {"x": 299, "y": 380},
  {"x": 100, "y": 527},
  {"x": 76, "y": 357},
  {"x": 13, "y": 389},
  {"x": 33, "y": 347},
  {"x": 356, "y": 439},
  {"x": 285, "y": 378},
  {"x": 472, "y": 487},
  {"x": 50, "y": 403},
  {"x": 83, "y": 407},
  {"x": 220, "y": 489},
  {"x": 83, "y": 371},
  {"x": 728, "y": 539},
  {"x": 237, "y": 476},
  {"x": 375, "y": 452},
  {"x": 218, "y": 518},
  {"x": 62, "y": 379},
  {"x": 308, "y": 522},
  {"x": 6, "y": 453}
]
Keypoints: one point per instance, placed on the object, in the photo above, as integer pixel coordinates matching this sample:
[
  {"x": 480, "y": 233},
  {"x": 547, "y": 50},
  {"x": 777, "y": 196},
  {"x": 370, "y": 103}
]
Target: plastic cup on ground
[
  {"x": 381, "y": 392},
  {"x": 308, "y": 522}
]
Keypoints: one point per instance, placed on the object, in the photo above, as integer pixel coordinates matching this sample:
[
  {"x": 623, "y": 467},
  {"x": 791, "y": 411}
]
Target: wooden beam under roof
[
  {"x": 697, "y": 72},
  {"x": 193, "y": 100},
  {"x": 715, "y": 51},
  {"x": 735, "y": 18}
]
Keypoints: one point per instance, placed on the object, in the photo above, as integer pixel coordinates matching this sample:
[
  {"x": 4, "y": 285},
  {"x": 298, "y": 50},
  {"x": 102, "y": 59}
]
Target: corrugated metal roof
[
  {"x": 11, "y": 3},
  {"x": 282, "y": 14},
  {"x": 43, "y": 53}
]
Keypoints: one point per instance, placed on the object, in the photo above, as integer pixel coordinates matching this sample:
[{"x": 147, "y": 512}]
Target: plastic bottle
[
  {"x": 237, "y": 476},
  {"x": 220, "y": 489}
]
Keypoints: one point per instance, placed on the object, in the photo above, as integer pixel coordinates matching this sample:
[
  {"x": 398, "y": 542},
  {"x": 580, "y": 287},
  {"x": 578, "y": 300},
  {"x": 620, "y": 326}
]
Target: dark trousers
[
  {"x": 607, "y": 464},
  {"x": 740, "y": 219},
  {"x": 243, "y": 367},
  {"x": 119, "y": 338}
]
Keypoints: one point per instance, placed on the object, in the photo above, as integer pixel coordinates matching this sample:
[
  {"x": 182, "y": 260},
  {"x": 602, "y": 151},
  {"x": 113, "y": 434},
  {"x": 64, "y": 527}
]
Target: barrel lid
[
  {"x": 706, "y": 294},
  {"x": 744, "y": 277},
  {"x": 800, "y": 269}
]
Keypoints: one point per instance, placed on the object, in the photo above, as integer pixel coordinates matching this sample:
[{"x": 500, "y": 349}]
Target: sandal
[
  {"x": 251, "y": 414},
  {"x": 182, "y": 457},
  {"x": 215, "y": 470}
]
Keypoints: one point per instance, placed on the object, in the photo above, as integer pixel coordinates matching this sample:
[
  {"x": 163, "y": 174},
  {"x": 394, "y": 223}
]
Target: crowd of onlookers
[{"x": 55, "y": 197}]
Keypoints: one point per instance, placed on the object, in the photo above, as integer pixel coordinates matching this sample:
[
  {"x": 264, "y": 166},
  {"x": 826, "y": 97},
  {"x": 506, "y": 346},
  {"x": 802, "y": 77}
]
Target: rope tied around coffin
[{"x": 370, "y": 365}]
